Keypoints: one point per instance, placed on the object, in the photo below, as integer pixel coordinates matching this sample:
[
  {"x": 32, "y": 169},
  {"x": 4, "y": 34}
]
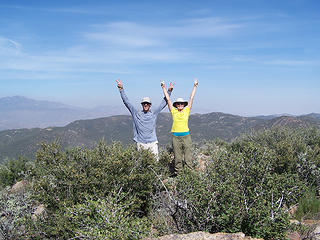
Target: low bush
[
  {"x": 236, "y": 192},
  {"x": 14, "y": 210},
  {"x": 116, "y": 192},
  {"x": 308, "y": 207},
  {"x": 107, "y": 218},
  {"x": 297, "y": 151},
  {"x": 64, "y": 180},
  {"x": 14, "y": 170},
  {"x": 247, "y": 185}
]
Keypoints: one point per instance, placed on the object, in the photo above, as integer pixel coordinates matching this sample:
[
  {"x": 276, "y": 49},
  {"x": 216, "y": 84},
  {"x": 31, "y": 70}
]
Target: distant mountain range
[
  {"x": 313, "y": 115},
  {"x": 119, "y": 128},
  {"x": 21, "y": 112},
  {"x": 269, "y": 117}
]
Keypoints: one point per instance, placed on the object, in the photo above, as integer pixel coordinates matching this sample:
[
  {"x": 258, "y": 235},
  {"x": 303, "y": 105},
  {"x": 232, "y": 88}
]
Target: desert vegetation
[{"x": 116, "y": 192}]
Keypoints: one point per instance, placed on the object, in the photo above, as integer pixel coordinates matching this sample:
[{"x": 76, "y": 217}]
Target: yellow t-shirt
[{"x": 180, "y": 119}]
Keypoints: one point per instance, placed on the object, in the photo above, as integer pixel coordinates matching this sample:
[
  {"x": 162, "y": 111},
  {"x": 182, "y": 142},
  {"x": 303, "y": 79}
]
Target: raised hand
[
  {"x": 120, "y": 86},
  {"x": 162, "y": 84},
  {"x": 166, "y": 95},
  {"x": 170, "y": 86},
  {"x": 195, "y": 82}
]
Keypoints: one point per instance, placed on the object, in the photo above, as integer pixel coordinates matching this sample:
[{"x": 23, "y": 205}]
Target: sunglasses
[{"x": 179, "y": 103}]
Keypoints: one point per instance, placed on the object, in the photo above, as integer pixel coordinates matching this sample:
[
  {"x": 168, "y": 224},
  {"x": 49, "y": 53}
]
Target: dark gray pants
[{"x": 182, "y": 148}]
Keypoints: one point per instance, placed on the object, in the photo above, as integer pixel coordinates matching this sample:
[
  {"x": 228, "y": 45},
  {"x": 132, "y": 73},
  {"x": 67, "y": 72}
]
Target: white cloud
[
  {"x": 125, "y": 33},
  {"x": 9, "y": 47},
  {"x": 72, "y": 10},
  {"x": 114, "y": 47},
  {"x": 294, "y": 63},
  {"x": 80, "y": 59},
  {"x": 139, "y": 35},
  {"x": 265, "y": 60},
  {"x": 206, "y": 27}
]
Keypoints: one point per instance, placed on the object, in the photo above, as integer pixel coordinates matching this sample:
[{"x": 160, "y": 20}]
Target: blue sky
[{"x": 251, "y": 57}]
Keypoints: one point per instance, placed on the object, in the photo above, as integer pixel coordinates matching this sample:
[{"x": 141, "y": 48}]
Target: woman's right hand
[{"x": 162, "y": 84}]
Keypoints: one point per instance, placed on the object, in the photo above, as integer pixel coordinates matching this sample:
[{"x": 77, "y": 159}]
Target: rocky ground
[{"x": 204, "y": 236}]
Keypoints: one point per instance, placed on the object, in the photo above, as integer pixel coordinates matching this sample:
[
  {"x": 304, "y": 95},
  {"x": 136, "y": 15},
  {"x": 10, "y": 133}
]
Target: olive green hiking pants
[{"x": 182, "y": 149}]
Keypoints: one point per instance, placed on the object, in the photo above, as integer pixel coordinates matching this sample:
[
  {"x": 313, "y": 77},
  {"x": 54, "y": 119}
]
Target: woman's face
[{"x": 180, "y": 106}]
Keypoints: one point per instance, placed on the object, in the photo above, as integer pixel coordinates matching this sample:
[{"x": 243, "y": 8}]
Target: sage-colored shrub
[
  {"x": 297, "y": 151},
  {"x": 63, "y": 180},
  {"x": 116, "y": 192},
  {"x": 14, "y": 210},
  {"x": 14, "y": 170},
  {"x": 107, "y": 218},
  {"x": 67, "y": 176},
  {"x": 308, "y": 207},
  {"x": 247, "y": 186}
]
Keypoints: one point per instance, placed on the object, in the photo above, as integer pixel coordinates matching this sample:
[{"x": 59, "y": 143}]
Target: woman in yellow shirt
[{"x": 181, "y": 139}]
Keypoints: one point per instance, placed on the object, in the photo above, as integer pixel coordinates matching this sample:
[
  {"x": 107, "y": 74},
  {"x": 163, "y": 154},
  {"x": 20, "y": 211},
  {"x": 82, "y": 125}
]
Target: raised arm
[
  {"x": 195, "y": 85},
  {"x": 163, "y": 103},
  {"x": 166, "y": 95},
  {"x": 124, "y": 97}
]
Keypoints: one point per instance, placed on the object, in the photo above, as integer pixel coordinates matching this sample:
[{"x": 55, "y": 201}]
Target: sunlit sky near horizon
[{"x": 251, "y": 57}]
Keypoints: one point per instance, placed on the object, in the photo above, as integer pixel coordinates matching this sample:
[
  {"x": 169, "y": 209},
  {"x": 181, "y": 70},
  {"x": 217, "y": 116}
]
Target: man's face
[{"x": 145, "y": 106}]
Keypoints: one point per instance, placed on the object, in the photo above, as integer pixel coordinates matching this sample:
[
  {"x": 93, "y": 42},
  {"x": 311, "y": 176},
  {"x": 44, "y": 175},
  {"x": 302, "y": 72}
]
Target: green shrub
[
  {"x": 297, "y": 151},
  {"x": 107, "y": 218},
  {"x": 64, "y": 179},
  {"x": 242, "y": 188},
  {"x": 14, "y": 209},
  {"x": 69, "y": 176},
  {"x": 13, "y": 170},
  {"x": 113, "y": 192},
  {"x": 308, "y": 206}
]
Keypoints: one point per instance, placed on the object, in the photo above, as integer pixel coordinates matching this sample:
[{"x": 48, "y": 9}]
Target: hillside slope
[{"x": 119, "y": 128}]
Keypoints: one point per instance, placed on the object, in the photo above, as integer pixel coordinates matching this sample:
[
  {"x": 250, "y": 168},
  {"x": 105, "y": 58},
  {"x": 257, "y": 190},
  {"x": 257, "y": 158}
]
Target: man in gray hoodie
[{"x": 144, "y": 121}]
